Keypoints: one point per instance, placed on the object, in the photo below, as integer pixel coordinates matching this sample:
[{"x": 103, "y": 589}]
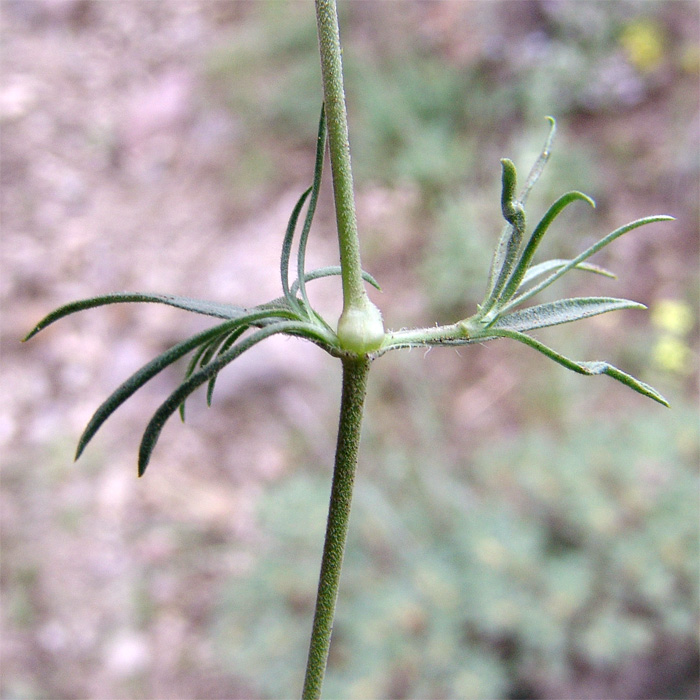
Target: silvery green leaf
[
  {"x": 587, "y": 368},
  {"x": 146, "y": 373},
  {"x": 315, "y": 189},
  {"x": 199, "y": 306},
  {"x": 230, "y": 340},
  {"x": 520, "y": 269},
  {"x": 562, "y": 311},
  {"x": 538, "y": 167},
  {"x": 330, "y": 271},
  {"x": 555, "y": 264},
  {"x": 287, "y": 249},
  {"x": 506, "y": 254},
  {"x": 171, "y": 404},
  {"x": 584, "y": 256},
  {"x": 206, "y": 351}
]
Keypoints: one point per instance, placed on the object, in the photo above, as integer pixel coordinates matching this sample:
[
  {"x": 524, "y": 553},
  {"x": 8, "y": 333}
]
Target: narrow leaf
[
  {"x": 587, "y": 368},
  {"x": 330, "y": 271},
  {"x": 315, "y": 188},
  {"x": 192, "y": 364},
  {"x": 199, "y": 306},
  {"x": 170, "y": 405},
  {"x": 232, "y": 338},
  {"x": 506, "y": 253},
  {"x": 287, "y": 249},
  {"x": 584, "y": 256},
  {"x": 204, "y": 354},
  {"x": 549, "y": 265},
  {"x": 526, "y": 258},
  {"x": 139, "y": 378},
  {"x": 563, "y": 311},
  {"x": 538, "y": 167}
]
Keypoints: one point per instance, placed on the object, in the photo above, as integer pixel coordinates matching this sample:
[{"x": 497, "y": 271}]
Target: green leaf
[
  {"x": 330, "y": 271},
  {"x": 170, "y": 405},
  {"x": 584, "y": 256},
  {"x": 199, "y": 306},
  {"x": 206, "y": 352},
  {"x": 287, "y": 249},
  {"x": 506, "y": 253},
  {"x": 555, "y": 264},
  {"x": 587, "y": 368},
  {"x": 315, "y": 188},
  {"x": 562, "y": 311},
  {"x": 538, "y": 167},
  {"x": 139, "y": 378},
  {"x": 232, "y": 338},
  {"x": 520, "y": 269}
]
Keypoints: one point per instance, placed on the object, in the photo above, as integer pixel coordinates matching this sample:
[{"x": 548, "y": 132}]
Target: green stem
[
  {"x": 355, "y": 371},
  {"x": 339, "y": 146}
]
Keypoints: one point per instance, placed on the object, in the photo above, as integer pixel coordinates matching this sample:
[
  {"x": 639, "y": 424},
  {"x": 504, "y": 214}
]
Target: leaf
[
  {"x": 506, "y": 253},
  {"x": 587, "y": 368},
  {"x": 143, "y": 375},
  {"x": 563, "y": 311},
  {"x": 548, "y": 265},
  {"x": 287, "y": 249},
  {"x": 206, "y": 352},
  {"x": 538, "y": 167},
  {"x": 232, "y": 338},
  {"x": 199, "y": 306},
  {"x": 584, "y": 256},
  {"x": 315, "y": 188},
  {"x": 170, "y": 405},
  {"x": 330, "y": 271},
  {"x": 526, "y": 258}
]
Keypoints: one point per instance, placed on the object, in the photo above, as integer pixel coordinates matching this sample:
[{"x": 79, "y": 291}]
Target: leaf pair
[{"x": 513, "y": 280}]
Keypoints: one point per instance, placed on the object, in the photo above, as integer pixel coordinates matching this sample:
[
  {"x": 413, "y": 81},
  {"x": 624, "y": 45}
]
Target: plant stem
[
  {"x": 339, "y": 145},
  {"x": 355, "y": 371}
]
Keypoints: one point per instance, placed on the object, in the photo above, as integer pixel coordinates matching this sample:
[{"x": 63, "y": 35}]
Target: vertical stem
[
  {"x": 339, "y": 145},
  {"x": 355, "y": 371}
]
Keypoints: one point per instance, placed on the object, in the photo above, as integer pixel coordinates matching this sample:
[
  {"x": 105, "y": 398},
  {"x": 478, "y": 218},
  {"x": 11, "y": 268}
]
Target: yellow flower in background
[
  {"x": 644, "y": 43},
  {"x": 671, "y": 352},
  {"x": 673, "y": 355},
  {"x": 673, "y": 316}
]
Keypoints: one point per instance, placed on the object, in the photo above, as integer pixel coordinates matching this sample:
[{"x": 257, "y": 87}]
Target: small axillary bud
[{"x": 360, "y": 328}]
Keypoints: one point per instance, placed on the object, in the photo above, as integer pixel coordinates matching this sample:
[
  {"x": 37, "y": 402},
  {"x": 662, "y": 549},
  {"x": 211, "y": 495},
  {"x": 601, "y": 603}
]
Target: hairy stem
[
  {"x": 339, "y": 146},
  {"x": 355, "y": 371}
]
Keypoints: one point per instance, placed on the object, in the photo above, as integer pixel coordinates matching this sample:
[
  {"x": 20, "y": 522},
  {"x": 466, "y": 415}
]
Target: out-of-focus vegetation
[
  {"x": 499, "y": 548},
  {"x": 528, "y": 558}
]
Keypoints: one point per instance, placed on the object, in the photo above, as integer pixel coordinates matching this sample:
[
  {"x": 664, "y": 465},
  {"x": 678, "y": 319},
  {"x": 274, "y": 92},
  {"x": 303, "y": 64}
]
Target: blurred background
[{"x": 518, "y": 531}]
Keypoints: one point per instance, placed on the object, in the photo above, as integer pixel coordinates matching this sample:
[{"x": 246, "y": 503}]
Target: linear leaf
[
  {"x": 562, "y": 311},
  {"x": 584, "y": 256},
  {"x": 538, "y": 167},
  {"x": 205, "y": 352},
  {"x": 232, "y": 338},
  {"x": 549, "y": 265},
  {"x": 330, "y": 271},
  {"x": 506, "y": 253},
  {"x": 199, "y": 306},
  {"x": 170, "y": 405},
  {"x": 587, "y": 368},
  {"x": 315, "y": 189},
  {"x": 192, "y": 364},
  {"x": 526, "y": 258},
  {"x": 287, "y": 248},
  {"x": 143, "y": 375}
]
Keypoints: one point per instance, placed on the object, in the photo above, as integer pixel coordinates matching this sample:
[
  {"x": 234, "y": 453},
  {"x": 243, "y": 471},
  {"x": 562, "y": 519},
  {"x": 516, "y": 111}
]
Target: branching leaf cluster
[{"x": 512, "y": 280}]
